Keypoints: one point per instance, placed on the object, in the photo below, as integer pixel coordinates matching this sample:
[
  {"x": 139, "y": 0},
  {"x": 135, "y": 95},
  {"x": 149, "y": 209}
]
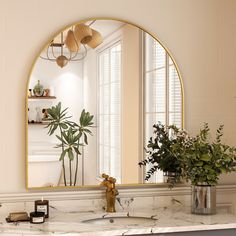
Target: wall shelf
[
  {"x": 37, "y": 123},
  {"x": 42, "y": 97}
]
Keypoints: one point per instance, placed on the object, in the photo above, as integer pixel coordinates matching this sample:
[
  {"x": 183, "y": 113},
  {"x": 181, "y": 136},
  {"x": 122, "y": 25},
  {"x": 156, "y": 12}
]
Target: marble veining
[
  {"x": 67, "y": 213},
  {"x": 67, "y": 218},
  {"x": 125, "y": 203}
]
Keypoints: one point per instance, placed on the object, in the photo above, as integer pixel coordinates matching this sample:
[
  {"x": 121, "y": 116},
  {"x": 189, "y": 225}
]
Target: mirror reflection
[{"x": 93, "y": 96}]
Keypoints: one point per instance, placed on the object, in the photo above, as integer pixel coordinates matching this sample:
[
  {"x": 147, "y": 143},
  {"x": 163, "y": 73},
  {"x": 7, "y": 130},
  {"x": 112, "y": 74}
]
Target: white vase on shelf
[{"x": 38, "y": 115}]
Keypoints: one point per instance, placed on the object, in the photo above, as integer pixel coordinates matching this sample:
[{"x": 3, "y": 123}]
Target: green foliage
[
  {"x": 85, "y": 124},
  {"x": 163, "y": 150},
  {"x": 71, "y": 134},
  {"x": 198, "y": 158},
  {"x": 203, "y": 160},
  {"x": 58, "y": 119},
  {"x": 70, "y": 138},
  {"x": 70, "y": 142}
]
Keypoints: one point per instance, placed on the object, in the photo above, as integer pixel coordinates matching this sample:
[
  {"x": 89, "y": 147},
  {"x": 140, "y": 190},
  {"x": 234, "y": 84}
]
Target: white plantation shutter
[
  {"x": 175, "y": 96},
  {"x": 155, "y": 85},
  {"x": 109, "y": 111},
  {"x": 162, "y": 97}
]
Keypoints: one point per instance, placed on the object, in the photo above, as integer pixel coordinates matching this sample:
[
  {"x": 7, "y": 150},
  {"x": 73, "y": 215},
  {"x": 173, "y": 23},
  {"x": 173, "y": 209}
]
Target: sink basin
[{"x": 122, "y": 220}]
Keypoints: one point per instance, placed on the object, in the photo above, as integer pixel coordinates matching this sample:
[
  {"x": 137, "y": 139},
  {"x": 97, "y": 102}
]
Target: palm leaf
[
  {"x": 70, "y": 154},
  {"x": 63, "y": 155},
  {"x": 85, "y": 138},
  {"x": 63, "y": 126},
  {"x": 77, "y": 151},
  {"x": 61, "y": 139}
]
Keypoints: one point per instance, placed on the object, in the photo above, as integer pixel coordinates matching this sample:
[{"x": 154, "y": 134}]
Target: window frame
[
  {"x": 167, "y": 112},
  {"x": 112, "y": 43}
]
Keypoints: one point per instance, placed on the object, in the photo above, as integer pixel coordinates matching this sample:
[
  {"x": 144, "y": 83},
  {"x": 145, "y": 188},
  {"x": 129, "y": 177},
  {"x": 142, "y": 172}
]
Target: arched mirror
[{"x": 93, "y": 95}]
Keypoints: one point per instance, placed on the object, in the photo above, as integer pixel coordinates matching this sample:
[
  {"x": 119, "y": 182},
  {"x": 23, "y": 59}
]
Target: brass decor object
[
  {"x": 111, "y": 192},
  {"x": 81, "y": 34},
  {"x": 38, "y": 89}
]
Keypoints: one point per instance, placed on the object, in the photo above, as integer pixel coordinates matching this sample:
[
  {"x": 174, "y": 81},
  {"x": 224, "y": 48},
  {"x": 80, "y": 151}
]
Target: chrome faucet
[{"x": 111, "y": 192}]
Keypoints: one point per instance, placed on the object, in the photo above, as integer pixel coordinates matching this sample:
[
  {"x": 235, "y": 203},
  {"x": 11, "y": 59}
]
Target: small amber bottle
[{"x": 42, "y": 206}]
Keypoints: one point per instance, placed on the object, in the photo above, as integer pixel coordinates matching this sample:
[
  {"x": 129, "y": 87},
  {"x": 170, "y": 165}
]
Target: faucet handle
[{"x": 105, "y": 176}]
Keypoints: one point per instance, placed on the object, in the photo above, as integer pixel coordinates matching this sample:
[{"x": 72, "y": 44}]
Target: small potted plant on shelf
[
  {"x": 72, "y": 137},
  {"x": 203, "y": 160},
  {"x": 163, "y": 152}
]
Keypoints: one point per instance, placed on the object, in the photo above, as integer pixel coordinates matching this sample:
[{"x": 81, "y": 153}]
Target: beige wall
[
  {"x": 200, "y": 34},
  {"x": 130, "y": 104}
]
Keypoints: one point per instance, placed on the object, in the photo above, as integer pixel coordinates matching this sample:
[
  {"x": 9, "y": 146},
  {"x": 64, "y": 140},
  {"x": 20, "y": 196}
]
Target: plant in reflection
[
  {"x": 58, "y": 119},
  {"x": 163, "y": 151},
  {"x": 72, "y": 136}
]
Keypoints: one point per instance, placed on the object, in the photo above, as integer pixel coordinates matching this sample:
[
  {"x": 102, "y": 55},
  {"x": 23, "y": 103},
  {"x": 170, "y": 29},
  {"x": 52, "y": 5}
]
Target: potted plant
[
  {"x": 72, "y": 136},
  {"x": 203, "y": 160},
  {"x": 162, "y": 151}
]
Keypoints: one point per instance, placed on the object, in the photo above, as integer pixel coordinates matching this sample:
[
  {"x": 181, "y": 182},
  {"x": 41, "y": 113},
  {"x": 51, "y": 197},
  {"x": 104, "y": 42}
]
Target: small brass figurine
[{"x": 111, "y": 192}]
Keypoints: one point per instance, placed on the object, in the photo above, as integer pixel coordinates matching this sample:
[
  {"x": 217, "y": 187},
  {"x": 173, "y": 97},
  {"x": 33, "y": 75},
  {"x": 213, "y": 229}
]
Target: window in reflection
[
  {"x": 162, "y": 96},
  {"x": 109, "y": 111}
]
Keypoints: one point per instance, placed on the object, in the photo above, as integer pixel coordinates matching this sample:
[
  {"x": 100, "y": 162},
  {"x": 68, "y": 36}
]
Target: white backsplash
[
  {"x": 169, "y": 208},
  {"x": 127, "y": 200}
]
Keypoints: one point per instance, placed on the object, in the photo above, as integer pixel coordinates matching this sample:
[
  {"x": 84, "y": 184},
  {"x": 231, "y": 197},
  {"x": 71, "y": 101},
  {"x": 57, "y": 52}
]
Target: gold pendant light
[
  {"x": 62, "y": 61},
  {"x": 71, "y": 42},
  {"x": 83, "y": 33},
  {"x": 96, "y": 39}
]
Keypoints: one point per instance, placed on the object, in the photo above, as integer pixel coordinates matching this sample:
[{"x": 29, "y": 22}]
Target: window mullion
[
  {"x": 167, "y": 87},
  {"x": 109, "y": 111}
]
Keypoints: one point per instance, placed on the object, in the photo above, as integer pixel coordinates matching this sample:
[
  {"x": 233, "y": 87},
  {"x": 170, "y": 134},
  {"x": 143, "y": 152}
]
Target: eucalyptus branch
[{"x": 205, "y": 160}]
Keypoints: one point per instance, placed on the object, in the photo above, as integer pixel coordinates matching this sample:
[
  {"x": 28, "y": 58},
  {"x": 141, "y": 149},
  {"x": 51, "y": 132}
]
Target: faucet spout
[{"x": 111, "y": 192}]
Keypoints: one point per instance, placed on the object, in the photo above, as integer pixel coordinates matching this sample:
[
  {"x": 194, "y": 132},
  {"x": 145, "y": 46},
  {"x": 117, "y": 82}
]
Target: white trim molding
[{"x": 98, "y": 193}]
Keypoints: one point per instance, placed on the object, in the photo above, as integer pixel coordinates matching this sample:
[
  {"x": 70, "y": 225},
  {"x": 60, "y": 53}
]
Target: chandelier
[{"x": 81, "y": 35}]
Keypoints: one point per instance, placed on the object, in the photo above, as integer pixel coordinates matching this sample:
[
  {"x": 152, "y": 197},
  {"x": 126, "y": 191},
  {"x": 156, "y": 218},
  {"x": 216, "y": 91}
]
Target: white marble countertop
[{"x": 168, "y": 219}]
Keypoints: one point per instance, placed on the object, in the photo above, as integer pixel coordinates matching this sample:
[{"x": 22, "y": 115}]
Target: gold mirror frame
[{"x": 143, "y": 185}]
